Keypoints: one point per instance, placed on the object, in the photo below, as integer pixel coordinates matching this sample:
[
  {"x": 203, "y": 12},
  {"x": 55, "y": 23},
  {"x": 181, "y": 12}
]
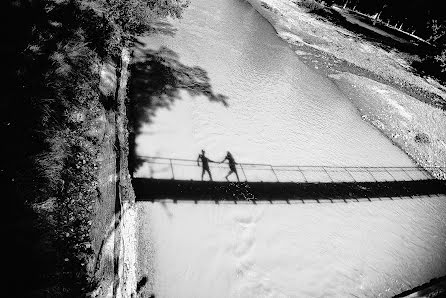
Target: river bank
[{"x": 407, "y": 108}]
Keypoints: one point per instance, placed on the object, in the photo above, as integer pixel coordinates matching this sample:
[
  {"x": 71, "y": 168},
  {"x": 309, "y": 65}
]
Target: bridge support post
[
  {"x": 171, "y": 167},
  {"x": 272, "y": 169},
  {"x": 394, "y": 179},
  {"x": 328, "y": 174},
  {"x": 410, "y": 177},
  {"x": 370, "y": 173},
  {"x": 303, "y": 175},
  {"x": 243, "y": 171},
  {"x": 348, "y": 172}
]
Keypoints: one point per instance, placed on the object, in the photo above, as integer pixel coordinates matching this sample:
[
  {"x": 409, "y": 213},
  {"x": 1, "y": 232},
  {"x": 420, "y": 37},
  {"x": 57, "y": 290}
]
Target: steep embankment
[
  {"x": 407, "y": 108},
  {"x": 113, "y": 234}
]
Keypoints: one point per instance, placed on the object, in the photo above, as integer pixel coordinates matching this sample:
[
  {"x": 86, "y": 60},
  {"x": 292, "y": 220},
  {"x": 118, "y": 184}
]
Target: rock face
[{"x": 113, "y": 224}]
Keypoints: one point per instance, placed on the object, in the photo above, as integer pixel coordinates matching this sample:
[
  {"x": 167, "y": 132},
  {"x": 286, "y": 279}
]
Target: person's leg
[
  {"x": 230, "y": 172},
  {"x": 202, "y": 174},
  {"x": 210, "y": 175},
  {"x": 236, "y": 174}
]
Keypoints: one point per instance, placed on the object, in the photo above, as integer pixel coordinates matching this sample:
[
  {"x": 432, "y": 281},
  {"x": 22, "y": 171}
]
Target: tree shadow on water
[{"x": 157, "y": 77}]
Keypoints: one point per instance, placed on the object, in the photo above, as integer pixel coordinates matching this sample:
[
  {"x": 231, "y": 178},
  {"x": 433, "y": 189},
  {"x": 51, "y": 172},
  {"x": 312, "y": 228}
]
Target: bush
[
  {"x": 311, "y": 5},
  {"x": 421, "y": 137},
  {"x": 434, "y": 64}
]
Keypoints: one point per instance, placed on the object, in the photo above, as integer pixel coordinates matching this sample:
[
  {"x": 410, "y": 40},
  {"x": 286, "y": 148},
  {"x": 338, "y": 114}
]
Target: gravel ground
[{"x": 315, "y": 36}]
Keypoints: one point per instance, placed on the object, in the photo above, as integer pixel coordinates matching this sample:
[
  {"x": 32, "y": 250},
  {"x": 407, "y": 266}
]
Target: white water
[{"x": 279, "y": 112}]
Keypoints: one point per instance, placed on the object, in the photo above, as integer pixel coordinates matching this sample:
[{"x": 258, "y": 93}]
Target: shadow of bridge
[{"x": 180, "y": 190}]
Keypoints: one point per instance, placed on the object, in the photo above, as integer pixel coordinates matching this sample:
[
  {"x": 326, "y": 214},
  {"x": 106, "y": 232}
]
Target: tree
[
  {"x": 125, "y": 20},
  {"x": 54, "y": 50}
]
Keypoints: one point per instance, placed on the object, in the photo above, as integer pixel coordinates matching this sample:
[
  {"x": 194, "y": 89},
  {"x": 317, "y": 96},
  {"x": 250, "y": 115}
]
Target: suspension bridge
[{"x": 181, "y": 179}]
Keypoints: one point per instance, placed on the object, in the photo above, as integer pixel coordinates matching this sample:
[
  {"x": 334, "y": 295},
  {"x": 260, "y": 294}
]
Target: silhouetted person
[
  {"x": 232, "y": 163},
  {"x": 205, "y": 164}
]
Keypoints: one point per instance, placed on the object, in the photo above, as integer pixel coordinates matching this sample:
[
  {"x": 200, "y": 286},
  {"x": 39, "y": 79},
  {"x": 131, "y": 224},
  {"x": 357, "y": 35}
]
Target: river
[{"x": 280, "y": 112}]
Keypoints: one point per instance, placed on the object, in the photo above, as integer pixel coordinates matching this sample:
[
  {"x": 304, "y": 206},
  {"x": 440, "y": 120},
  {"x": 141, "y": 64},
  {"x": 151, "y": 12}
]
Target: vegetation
[
  {"x": 311, "y": 5},
  {"x": 415, "y": 16},
  {"x": 49, "y": 165},
  {"x": 424, "y": 19},
  {"x": 53, "y": 55}
]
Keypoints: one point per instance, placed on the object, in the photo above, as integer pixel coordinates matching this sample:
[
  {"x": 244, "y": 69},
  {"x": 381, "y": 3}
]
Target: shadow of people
[
  {"x": 232, "y": 166},
  {"x": 157, "y": 78},
  {"x": 204, "y": 164}
]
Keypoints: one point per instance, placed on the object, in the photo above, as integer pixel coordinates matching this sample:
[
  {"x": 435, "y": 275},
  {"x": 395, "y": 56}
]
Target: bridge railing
[{"x": 185, "y": 169}]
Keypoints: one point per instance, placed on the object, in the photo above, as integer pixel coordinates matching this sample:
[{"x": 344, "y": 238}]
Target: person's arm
[
  {"x": 223, "y": 160},
  {"x": 198, "y": 160}
]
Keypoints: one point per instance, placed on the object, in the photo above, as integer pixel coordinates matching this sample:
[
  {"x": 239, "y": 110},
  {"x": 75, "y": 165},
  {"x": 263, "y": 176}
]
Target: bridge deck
[{"x": 178, "y": 190}]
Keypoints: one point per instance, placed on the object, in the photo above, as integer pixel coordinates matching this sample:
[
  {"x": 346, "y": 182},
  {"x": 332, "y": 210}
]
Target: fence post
[
  {"x": 243, "y": 171},
  {"x": 272, "y": 169},
  {"x": 303, "y": 175},
  {"x": 394, "y": 179},
  {"x": 410, "y": 177},
  {"x": 354, "y": 180},
  {"x": 425, "y": 173},
  {"x": 328, "y": 174},
  {"x": 171, "y": 167},
  {"x": 367, "y": 169}
]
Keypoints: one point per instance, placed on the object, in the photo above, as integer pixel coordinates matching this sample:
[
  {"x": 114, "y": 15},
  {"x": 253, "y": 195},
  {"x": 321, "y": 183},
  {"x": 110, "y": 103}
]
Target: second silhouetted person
[{"x": 232, "y": 163}]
